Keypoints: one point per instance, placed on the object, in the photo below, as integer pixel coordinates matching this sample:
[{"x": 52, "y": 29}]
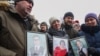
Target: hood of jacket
[{"x": 4, "y": 5}]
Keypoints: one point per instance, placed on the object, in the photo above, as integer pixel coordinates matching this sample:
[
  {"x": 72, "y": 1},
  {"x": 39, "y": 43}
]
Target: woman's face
[
  {"x": 91, "y": 21},
  {"x": 56, "y": 25},
  {"x": 62, "y": 44}
]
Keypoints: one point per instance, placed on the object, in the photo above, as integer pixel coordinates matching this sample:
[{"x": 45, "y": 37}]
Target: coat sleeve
[
  {"x": 50, "y": 43},
  {"x": 6, "y": 52},
  {"x": 98, "y": 50},
  {"x": 0, "y": 24}
]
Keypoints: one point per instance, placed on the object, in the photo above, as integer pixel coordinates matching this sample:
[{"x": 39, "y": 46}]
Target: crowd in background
[
  {"x": 13, "y": 25},
  {"x": 90, "y": 29}
]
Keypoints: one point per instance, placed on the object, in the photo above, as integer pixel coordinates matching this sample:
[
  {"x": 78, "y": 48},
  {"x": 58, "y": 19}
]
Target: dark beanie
[
  {"x": 43, "y": 23},
  {"x": 68, "y": 14},
  {"x": 91, "y": 15},
  {"x": 30, "y": 1}
]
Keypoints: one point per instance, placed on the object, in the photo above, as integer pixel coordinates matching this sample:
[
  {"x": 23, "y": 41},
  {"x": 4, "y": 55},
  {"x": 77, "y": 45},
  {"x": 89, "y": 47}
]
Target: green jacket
[
  {"x": 13, "y": 33},
  {"x": 70, "y": 31}
]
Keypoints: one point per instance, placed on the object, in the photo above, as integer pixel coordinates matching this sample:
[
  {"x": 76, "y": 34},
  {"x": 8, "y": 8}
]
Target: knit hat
[
  {"x": 91, "y": 15},
  {"x": 68, "y": 14},
  {"x": 30, "y": 1},
  {"x": 43, "y": 23},
  {"x": 52, "y": 19}
]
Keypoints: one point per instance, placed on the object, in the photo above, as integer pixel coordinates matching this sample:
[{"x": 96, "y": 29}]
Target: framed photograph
[
  {"x": 36, "y": 44},
  {"x": 79, "y": 46},
  {"x": 60, "y": 46}
]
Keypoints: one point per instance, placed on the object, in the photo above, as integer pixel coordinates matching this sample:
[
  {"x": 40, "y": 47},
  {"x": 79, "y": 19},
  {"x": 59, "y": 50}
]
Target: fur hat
[
  {"x": 68, "y": 14},
  {"x": 52, "y": 19},
  {"x": 30, "y": 1},
  {"x": 91, "y": 15}
]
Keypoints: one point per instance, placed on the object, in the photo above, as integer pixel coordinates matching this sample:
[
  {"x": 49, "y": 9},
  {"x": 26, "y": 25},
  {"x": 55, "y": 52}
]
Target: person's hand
[
  {"x": 91, "y": 50},
  {"x": 16, "y": 54}
]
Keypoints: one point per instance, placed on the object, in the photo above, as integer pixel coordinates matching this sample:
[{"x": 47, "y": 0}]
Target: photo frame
[
  {"x": 60, "y": 46},
  {"x": 37, "y": 44},
  {"x": 79, "y": 46}
]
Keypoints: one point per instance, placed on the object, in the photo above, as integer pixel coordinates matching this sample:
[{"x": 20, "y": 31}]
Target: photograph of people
[
  {"x": 82, "y": 51},
  {"x": 37, "y": 49},
  {"x": 60, "y": 49}
]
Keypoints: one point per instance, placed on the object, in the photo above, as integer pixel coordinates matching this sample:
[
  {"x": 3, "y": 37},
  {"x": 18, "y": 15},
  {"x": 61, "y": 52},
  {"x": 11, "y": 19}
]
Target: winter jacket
[
  {"x": 42, "y": 31},
  {"x": 92, "y": 35},
  {"x": 52, "y": 32},
  {"x": 70, "y": 31},
  {"x": 13, "y": 32},
  {"x": 72, "y": 34}
]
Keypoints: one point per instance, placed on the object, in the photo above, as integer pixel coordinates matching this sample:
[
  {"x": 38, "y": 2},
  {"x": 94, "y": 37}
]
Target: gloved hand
[{"x": 91, "y": 50}]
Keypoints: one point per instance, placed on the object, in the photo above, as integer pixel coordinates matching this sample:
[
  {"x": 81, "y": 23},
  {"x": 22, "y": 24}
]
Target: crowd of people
[{"x": 15, "y": 21}]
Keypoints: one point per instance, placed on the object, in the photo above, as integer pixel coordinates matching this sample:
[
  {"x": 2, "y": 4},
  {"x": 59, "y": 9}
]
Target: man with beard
[{"x": 67, "y": 26}]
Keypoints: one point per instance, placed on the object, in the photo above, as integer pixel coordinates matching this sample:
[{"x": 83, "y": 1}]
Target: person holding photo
[
  {"x": 67, "y": 26},
  {"x": 91, "y": 31},
  {"x": 61, "y": 49},
  {"x": 82, "y": 51},
  {"x": 14, "y": 22},
  {"x": 54, "y": 30}
]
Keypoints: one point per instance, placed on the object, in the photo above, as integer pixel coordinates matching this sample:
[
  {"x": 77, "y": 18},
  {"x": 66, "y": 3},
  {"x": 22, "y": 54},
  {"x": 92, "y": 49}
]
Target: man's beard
[{"x": 70, "y": 24}]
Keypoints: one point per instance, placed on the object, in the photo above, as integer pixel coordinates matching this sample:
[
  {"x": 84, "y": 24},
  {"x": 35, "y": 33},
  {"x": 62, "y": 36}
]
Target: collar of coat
[
  {"x": 90, "y": 29},
  {"x": 4, "y": 5},
  {"x": 14, "y": 13}
]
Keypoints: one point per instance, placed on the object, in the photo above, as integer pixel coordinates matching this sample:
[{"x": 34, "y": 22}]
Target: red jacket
[{"x": 59, "y": 52}]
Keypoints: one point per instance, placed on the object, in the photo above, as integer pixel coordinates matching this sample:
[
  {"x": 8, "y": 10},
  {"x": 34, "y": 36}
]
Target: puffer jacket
[
  {"x": 92, "y": 35},
  {"x": 13, "y": 32}
]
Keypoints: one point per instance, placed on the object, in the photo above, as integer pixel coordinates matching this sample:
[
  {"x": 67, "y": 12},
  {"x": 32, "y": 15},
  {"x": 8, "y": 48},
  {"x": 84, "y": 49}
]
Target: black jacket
[{"x": 52, "y": 32}]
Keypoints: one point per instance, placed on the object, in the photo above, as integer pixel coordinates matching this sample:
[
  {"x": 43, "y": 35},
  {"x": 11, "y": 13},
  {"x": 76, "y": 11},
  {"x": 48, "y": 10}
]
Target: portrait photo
[
  {"x": 36, "y": 44},
  {"x": 79, "y": 46},
  {"x": 60, "y": 46}
]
